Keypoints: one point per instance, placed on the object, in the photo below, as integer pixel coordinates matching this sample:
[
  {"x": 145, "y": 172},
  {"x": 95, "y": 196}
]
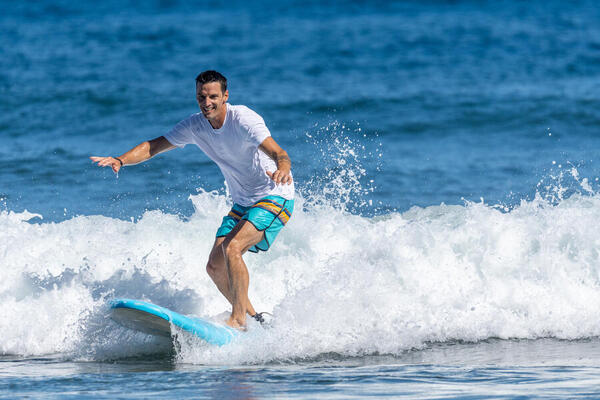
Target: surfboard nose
[{"x": 156, "y": 320}]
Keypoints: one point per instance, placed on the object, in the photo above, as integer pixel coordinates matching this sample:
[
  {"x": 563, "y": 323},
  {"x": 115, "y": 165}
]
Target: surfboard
[{"x": 155, "y": 320}]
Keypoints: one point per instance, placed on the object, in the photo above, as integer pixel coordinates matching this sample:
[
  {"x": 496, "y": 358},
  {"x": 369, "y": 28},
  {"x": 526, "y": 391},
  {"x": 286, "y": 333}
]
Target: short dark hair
[{"x": 212, "y": 76}]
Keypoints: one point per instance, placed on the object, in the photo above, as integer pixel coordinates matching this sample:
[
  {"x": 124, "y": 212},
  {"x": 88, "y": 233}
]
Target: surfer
[{"x": 257, "y": 172}]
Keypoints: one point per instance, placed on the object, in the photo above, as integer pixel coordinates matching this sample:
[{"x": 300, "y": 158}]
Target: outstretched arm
[
  {"x": 138, "y": 154},
  {"x": 284, "y": 164}
]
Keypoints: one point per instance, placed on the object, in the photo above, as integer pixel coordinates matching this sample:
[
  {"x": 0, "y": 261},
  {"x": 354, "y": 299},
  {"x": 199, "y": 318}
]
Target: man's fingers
[
  {"x": 275, "y": 176},
  {"x": 279, "y": 177},
  {"x": 99, "y": 160},
  {"x": 107, "y": 162}
]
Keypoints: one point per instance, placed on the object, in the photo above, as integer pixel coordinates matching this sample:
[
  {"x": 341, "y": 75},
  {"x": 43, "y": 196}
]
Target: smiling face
[{"x": 211, "y": 100}]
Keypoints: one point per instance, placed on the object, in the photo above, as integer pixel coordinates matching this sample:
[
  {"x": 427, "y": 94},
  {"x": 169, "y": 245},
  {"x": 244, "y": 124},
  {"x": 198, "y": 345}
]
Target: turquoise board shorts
[{"x": 268, "y": 215}]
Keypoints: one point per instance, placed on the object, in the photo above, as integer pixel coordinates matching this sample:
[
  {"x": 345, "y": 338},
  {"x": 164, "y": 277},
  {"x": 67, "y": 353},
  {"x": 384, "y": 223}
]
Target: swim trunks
[{"x": 268, "y": 215}]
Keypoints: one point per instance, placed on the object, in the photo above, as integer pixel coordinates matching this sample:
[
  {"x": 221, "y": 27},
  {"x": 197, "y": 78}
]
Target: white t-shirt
[{"x": 234, "y": 148}]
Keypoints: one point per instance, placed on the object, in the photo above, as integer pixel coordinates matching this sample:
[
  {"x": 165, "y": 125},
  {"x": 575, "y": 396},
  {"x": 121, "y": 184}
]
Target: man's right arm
[{"x": 138, "y": 154}]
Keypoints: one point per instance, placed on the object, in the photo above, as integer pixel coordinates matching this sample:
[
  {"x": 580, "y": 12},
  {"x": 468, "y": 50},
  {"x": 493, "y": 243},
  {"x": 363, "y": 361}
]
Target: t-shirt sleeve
[
  {"x": 255, "y": 126},
  {"x": 181, "y": 134}
]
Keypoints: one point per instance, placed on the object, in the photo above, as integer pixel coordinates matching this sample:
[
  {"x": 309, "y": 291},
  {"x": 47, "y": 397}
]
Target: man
[{"x": 257, "y": 171}]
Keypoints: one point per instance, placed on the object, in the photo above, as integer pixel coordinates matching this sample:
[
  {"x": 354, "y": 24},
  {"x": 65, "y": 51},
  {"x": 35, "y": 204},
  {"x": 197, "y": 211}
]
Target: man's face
[{"x": 211, "y": 100}]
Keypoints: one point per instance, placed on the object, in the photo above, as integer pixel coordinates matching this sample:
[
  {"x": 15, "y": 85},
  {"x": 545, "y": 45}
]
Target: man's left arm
[{"x": 284, "y": 165}]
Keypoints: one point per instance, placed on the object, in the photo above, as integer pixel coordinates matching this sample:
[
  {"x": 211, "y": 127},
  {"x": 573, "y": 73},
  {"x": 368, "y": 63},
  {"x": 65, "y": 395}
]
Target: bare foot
[{"x": 234, "y": 323}]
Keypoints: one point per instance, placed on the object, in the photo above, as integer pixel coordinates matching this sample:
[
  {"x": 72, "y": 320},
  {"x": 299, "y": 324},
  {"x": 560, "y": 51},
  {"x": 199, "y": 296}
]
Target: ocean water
[{"x": 445, "y": 239}]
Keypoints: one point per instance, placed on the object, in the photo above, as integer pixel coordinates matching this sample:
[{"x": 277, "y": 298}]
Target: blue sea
[{"x": 445, "y": 241}]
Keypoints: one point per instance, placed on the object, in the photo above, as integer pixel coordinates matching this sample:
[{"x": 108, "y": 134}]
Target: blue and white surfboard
[{"x": 155, "y": 320}]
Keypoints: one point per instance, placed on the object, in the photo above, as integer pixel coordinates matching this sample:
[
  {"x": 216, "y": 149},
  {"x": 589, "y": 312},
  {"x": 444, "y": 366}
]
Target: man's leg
[
  {"x": 236, "y": 243},
  {"x": 217, "y": 268},
  {"x": 228, "y": 270}
]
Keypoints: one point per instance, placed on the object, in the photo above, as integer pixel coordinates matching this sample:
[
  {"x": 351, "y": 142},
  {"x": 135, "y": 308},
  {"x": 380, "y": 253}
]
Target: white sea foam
[{"x": 336, "y": 282}]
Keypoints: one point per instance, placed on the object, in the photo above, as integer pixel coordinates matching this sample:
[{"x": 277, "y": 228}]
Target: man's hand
[
  {"x": 280, "y": 176},
  {"x": 108, "y": 162}
]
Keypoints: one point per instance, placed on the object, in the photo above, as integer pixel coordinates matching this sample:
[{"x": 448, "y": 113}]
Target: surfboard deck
[{"x": 155, "y": 320}]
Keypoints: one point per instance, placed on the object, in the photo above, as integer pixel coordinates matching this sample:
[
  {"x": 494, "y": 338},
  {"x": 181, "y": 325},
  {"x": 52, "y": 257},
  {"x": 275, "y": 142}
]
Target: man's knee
[
  {"x": 215, "y": 259},
  {"x": 232, "y": 248},
  {"x": 211, "y": 268}
]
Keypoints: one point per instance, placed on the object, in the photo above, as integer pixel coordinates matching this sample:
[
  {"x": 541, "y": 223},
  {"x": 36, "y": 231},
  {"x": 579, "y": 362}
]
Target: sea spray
[{"x": 341, "y": 152}]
